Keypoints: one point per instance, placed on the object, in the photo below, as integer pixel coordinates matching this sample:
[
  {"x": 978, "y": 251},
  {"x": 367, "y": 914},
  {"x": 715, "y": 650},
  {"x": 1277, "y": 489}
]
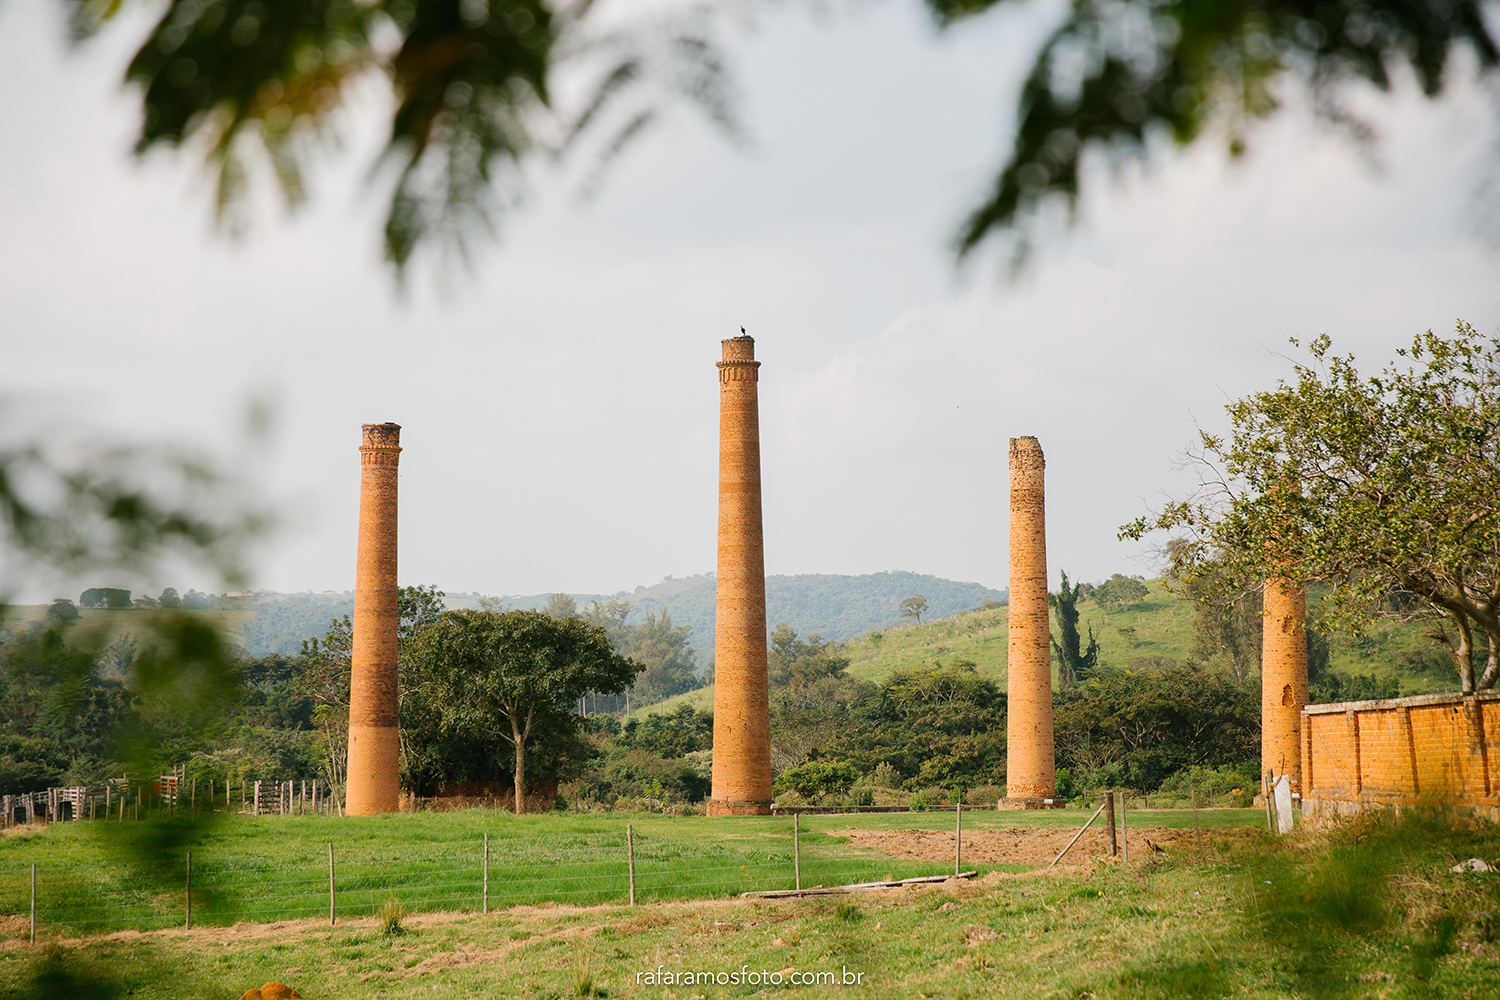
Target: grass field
[{"x": 1370, "y": 913}]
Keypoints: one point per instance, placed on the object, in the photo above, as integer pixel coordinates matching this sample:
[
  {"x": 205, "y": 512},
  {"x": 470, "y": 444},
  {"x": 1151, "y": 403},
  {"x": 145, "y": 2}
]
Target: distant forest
[{"x": 832, "y": 606}]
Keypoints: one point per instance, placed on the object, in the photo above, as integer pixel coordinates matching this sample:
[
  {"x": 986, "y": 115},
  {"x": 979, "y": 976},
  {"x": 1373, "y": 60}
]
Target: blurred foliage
[
  {"x": 1118, "y": 73},
  {"x": 471, "y": 83}
]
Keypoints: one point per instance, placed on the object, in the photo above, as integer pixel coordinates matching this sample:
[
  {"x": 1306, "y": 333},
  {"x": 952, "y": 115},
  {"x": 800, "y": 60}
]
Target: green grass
[{"x": 1371, "y": 913}]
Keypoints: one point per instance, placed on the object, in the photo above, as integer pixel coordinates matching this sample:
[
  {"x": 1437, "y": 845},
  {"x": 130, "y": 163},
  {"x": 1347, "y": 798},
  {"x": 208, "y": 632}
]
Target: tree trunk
[{"x": 520, "y": 741}]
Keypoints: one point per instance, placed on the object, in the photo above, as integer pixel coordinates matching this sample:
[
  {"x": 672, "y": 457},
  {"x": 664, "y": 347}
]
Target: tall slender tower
[
  {"x": 374, "y": 716},
  {"x": 742, "y": 711},
  {"x": 1283, "y": 679},
  {"x": 1030, "y": 768}
]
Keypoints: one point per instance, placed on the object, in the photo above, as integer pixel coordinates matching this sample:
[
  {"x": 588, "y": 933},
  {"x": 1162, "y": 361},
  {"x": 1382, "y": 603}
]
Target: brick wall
[{"x": 1424, "y": 750}]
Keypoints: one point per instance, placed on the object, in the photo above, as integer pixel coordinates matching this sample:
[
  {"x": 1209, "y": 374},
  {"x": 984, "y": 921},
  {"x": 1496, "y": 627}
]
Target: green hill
[{"x": 1158, "y": 626}]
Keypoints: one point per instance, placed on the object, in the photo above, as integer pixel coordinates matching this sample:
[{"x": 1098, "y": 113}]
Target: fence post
[
  {"x": 797, "y": 848},
  {"x": 1109, "y": 823},
  {"x": 958, "y": 837},
  {"x": 1124, "y": 833},
  {"x": 1197, "y": 837},
  {"x": 33, "y": 902},
  {"x": 189, "y": 891},
  {"x": 486, "y": 872},
  {"x": 630, "y": 859},
  {"x": 332, "y": 911}
]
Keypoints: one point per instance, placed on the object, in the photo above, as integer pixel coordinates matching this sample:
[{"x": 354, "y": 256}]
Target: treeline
[
  {"x": 117, "y": 599},
  {"x": 936, "y": 729}
]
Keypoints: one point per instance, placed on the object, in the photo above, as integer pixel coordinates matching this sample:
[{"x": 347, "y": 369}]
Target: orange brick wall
[
  {"x": 742, "y": 707},
  {"x": 1423, "y": 750}
]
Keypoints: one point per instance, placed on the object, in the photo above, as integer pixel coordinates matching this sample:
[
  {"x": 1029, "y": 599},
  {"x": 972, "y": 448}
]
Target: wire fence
[{"x": 322, "y": 879}]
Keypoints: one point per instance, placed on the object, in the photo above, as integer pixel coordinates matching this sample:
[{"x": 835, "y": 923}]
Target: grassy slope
[
  {"x": 1159, "y": 626},
  {"x": 1177, "y": 927}
]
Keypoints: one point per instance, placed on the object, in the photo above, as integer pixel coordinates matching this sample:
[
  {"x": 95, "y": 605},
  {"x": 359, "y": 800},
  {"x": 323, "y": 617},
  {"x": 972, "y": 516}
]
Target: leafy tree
[
  {"x": 169, "y": 598},
  {"x": 105, "y": 597},
  {"x": 523, "y": 666},
  {"x": 818, "y": 778},
  {"x": 1119, "y": 592},
  {"x": 914, "y": 607},
  {"x": 685, "y": 730},
  {"x": 63, "y": 610},
  {"x": 1382, "y": 486},
  {"x": 1138, "y": 726},
  {"x": 810, "y": 673},
  {"x": 1113, "y": 74},
  {"x": 666, "y": 660},
  {"x": 561, "y": 606},
  {"x": 1074, "y": 663}
]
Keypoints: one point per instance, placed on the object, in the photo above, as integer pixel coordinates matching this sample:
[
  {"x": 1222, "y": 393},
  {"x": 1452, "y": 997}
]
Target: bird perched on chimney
[{"x": 742, "y": 332}]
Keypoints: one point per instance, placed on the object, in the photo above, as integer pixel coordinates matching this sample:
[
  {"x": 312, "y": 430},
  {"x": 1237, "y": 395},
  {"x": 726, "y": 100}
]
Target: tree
[
  {"x": 914, "y": 607},
  {"x": 169, "y": 598},
  {"x": 1114, "y": 74},
  {"x": 523, "y": 666},
  {"x": 561, "y": 606},
  {"x": 104, "y": 597},
  {"x": 1383, "y": 486},
  {"x": 1074, "y": 664},
  {"x": 1120, "y": 592},
  {"x": 666, "y": 660}
]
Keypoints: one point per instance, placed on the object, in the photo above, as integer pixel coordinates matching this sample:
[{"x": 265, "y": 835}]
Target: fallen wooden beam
[{"x": 842, "y": 890}]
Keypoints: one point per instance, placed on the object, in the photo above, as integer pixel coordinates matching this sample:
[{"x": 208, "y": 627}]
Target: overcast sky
[{"x": 559, "y": 405}]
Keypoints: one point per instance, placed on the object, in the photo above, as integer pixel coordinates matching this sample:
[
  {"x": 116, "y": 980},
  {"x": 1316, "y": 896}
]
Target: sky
[{"x": 559, "y": 400}]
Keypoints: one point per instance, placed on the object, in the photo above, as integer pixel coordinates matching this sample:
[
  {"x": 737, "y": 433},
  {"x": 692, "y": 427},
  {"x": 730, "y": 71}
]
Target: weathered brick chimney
[
  {"x": 1030, "y": 769},
  {"x": 374, "y": 716},
  {"x": 742, "y": 715},
  {"x": 1283, "y": 679}
]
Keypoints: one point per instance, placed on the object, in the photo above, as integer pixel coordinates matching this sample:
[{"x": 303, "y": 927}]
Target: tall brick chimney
[
  {"x": 1030, "y": 768},
  {"x": 742, "y": 713},
  {"x": 374, "y": 717},
  {"x": 1283, "y": 679}
]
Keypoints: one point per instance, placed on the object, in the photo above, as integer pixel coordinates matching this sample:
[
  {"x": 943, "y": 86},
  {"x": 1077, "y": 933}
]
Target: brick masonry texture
[
  {"x": 1426, "y": 750},
  {"x": 1283, "y": 679},
  {"x": 374, "y": 718},
  {"x": 742, "y": 713},
  {"x": 1030, "y": 768}
]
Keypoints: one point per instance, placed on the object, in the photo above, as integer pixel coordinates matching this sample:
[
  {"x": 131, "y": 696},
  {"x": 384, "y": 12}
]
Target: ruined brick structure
[
  {"x": 374, "y": 717},
  {"x": 1434, "y": 750},
  {"x": 1283, "y": 679},
  {"x": 1030, "y": 769},
  {"x": 742, "y": 713}
]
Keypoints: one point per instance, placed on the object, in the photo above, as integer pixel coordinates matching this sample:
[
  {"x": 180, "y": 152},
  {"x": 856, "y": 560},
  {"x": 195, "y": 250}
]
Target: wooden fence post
[
  {"x": 630, "y": 859},
  {"x": 1124, "y": 831},
  {"x": 1109, "y": 823},
  {"x": 332, "y": 908},
  {"x": 189, "y": 891},
  {"x": 486, "y": 873},
  {"x": 797, "y": 848},
  {"x": 958, "y": 837},
  {"x": 1197, "y": 837}
]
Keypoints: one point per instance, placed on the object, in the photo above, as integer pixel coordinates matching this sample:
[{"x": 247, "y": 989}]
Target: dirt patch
[{"x": 1014, "y": 847}]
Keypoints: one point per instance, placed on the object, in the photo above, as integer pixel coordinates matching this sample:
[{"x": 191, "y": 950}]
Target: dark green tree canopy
[
  {"x": 1383, "y": 486},
  {"x": 1116, "y": 72},
  {"x": 496, "y": 671},
  {"x": 1075, "y": 662}
]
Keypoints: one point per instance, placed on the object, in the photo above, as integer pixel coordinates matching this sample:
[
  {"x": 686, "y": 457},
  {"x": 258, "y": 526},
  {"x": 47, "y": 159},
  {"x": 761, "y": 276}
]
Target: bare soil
[{"x": 1019, "y": 847}]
